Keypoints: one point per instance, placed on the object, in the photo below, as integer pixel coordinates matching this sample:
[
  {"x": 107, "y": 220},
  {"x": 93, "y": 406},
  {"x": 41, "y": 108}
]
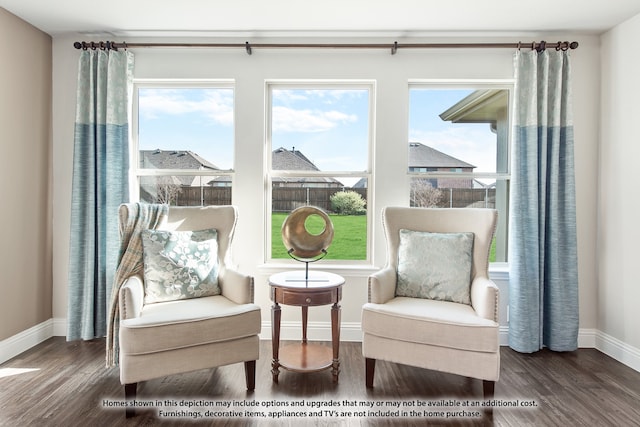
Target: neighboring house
[
  {"x": 362, "y": 183},
  {"x": 294, "y": 160},
  {"x": 171, "y": 188},
  {"x": 423, "y": 158},
  {"x": 182, "y": 160}
]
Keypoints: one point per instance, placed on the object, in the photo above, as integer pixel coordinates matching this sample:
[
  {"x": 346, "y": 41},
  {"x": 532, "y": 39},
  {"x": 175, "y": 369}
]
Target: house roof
[
  {"x": 423, "y": 156},
  {"x": 361, "y": 183},
  {"x": 173, "y": 159},
  {"x": 283, "y": 159}
]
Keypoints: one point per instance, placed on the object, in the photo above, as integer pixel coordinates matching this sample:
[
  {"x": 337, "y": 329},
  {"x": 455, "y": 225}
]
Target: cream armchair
[
  {"x": 166, "y": 338},
  {"x": 453, "y": 337}
]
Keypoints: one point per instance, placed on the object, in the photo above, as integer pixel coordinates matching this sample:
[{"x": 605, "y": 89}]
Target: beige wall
[
  {"x": 25, "y": 180},
  {"x": 619, "y": 195}
]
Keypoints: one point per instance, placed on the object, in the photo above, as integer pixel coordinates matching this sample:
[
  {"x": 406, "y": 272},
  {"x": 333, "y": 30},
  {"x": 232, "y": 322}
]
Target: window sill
[{"x": 497, "y": 271}]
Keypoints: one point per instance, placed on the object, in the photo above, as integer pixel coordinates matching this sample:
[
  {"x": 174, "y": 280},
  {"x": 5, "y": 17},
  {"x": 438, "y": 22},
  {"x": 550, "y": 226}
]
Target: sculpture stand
[{"x": 306, "y": 261}]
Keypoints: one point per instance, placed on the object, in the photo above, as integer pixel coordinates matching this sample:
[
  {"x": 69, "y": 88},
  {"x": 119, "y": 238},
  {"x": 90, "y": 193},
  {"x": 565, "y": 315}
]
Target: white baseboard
[
  {"x": 618, "y": 350},
  {"x": 587, "y": 338},
  {"x": 321, "y": 331},
  {"x": 19, "y": 343},
  {"x": 59, "y": 327},
  {"x": 503, "y": 336},
  {"x": 316, "y": 331}
]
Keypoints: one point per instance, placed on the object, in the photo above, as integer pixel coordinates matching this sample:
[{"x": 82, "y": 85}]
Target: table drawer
[{"x": 307, "y": 298}]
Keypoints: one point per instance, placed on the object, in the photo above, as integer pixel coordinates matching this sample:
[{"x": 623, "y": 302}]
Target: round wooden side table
[{"x": 298, "y": 288}]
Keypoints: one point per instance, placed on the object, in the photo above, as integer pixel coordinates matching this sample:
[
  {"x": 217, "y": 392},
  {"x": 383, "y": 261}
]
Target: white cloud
[
  {"x": 288, "y": 96},
  {"x": 306, "y": 120},
  {"x": 214, "y": 105},
  {"x": 293, "y": 95}
]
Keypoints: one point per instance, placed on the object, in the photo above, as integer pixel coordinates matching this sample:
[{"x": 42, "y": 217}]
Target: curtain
[
  {"x": 100, "y": 185},
  {"x": 543, "y": 290}
]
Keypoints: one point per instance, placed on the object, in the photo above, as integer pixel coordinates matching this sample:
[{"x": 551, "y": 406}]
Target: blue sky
[
  {"x": 329, "y": 126},
  {"x": 471, "y": 142},
  {"x": 199, "y": 120}
]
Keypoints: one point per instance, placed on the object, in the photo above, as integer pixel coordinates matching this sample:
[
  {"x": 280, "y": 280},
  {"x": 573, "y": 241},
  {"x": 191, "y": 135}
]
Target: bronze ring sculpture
[{"x": 301, "y": 244}]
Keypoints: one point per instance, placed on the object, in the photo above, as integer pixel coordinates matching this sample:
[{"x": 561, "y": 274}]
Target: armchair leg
[
  {"x": 488, "y": 389},
  {"x": 370, "y": 367},
  {"x": 130, "y": 395},
  {"x": 250, "y": 374}
]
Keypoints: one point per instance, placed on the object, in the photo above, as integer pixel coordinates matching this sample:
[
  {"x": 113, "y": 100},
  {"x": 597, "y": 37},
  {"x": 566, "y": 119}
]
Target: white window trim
[
  {"x": 358, "y": 267},
  {"x": 506, "y": 84},
  {"x": 135, "y": 171}
]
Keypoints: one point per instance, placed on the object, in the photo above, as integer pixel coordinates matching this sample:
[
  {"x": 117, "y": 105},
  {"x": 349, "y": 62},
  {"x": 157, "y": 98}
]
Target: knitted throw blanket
[{"x": 134, "y": 217}]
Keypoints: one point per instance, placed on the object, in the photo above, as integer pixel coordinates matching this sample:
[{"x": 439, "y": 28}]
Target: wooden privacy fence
[
  {"x": 286, "y": 199},
  {"x": 203, "y": 196}
]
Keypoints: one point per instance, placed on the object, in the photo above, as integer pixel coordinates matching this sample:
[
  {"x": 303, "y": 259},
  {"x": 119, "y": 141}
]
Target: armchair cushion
[
  {"x": 435, "y": 265},
  {"x": 188, "y": 323},
  {"x": 180, "y": 264},
  {"x": 430, "y": 322}
]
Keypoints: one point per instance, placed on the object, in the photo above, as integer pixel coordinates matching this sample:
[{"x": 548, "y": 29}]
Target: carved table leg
[
  {"x": 275, "y": 340},
  {"x": 335, "y": 340}
]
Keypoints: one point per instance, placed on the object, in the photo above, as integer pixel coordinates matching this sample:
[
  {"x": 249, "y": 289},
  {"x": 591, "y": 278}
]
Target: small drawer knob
[{"x": 308, "y": 300}]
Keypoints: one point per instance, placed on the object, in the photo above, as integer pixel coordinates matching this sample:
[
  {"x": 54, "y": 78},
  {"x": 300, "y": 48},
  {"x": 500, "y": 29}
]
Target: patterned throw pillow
[
  {"x": 435, "y": 265},
  {"x": 180, "y": 264}
]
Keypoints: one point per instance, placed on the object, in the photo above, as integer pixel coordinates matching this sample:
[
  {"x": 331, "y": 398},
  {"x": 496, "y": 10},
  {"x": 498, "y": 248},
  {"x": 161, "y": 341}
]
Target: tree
[
  {"x": 166, "y": 190},
  {"x": 348, "y": 203},
  {"x": 423, "y": 194}
]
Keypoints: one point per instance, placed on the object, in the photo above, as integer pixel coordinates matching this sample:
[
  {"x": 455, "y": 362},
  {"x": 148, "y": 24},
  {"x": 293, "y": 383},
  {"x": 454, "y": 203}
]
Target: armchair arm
[
  {"x": 484, "y": 298},
  {"x": 236, "y": 286},
  {"x": 382, "y": 285},
  {"x": 131, "y": 298}
]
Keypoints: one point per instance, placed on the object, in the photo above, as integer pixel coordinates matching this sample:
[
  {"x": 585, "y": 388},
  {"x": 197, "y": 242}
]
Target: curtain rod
[{"x": 539, "y": 46}]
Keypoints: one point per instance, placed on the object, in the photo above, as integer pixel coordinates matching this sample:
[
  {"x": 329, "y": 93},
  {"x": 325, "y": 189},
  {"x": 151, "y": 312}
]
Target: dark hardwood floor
[{"x": 66, "y": 384}]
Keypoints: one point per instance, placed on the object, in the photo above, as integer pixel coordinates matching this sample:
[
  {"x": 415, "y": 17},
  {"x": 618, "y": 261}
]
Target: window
[
  {"x": 458, "y": 151},
  {"x": 319, "y": 142},
  {"x": 183, "y": 142}
]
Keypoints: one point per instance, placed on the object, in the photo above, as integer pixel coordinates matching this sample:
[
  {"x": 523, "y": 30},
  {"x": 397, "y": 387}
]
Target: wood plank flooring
[{"x": 66, "y": 384}]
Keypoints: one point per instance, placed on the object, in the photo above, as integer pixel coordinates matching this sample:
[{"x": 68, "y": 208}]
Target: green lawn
[{"x": 349, "y": 241}]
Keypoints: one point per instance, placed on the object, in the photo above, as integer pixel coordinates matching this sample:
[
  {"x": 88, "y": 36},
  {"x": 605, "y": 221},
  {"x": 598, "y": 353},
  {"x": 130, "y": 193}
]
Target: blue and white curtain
[
  {"x": 543, "y": 291},
  {"x": 100, "y": 185}
]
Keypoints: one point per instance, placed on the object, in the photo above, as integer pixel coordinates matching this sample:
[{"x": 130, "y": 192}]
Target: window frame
[
  {"x": 270, "y": 174},
  {"x": 136, "y": 172},
  {"x": 503, "y": 157}
]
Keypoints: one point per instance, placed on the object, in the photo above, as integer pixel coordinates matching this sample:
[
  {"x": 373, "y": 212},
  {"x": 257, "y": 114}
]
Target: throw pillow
[
  {"x": 180, "y": 264},
  {"x": 435, "y": 265}
]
